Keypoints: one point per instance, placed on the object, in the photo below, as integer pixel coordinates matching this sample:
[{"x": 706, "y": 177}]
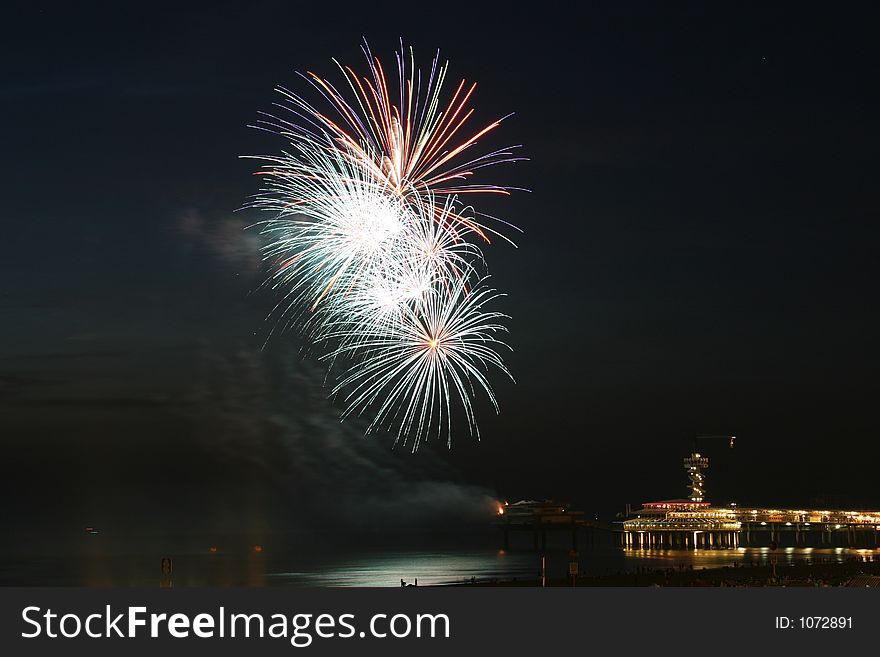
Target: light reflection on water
[
  {"x": 427, "y": 567},
  {"x": 745, "y": 556}
]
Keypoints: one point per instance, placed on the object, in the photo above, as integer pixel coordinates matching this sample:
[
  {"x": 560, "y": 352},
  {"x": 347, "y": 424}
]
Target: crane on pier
[{"x": 696, "y": 464}]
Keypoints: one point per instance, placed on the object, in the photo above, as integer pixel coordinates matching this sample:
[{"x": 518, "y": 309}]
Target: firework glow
[{"x": 375, "y": 255}]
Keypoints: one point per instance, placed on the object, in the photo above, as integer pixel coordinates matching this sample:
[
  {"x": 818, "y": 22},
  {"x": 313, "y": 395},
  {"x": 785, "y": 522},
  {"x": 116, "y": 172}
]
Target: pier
[
  {"x": 680, "y": 524},
  {"x": 540, "y": 518},
  {"x": 694, "y": 523}
]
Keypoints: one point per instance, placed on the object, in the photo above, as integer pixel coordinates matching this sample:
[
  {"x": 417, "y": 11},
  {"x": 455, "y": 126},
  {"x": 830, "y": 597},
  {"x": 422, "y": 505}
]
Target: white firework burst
[{"x": 426, "y": 360}]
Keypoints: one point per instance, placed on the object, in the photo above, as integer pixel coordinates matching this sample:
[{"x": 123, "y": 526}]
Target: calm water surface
[{"x": 103, "y": 564}]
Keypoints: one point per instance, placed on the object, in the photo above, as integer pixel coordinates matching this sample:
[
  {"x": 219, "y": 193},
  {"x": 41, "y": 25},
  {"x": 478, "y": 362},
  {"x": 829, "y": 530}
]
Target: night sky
[{"x": 699, "y": 256}]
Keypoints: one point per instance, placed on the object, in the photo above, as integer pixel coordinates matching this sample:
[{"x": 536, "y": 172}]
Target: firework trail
[{"x": 373, "y": 251}]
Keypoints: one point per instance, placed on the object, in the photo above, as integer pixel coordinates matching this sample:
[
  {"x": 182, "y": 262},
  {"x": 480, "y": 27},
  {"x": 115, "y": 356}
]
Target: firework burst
[
  {"x": 416, "y": 144},
  {"x": 428, "y": 357},
  {"x": 372, "y": 249}
]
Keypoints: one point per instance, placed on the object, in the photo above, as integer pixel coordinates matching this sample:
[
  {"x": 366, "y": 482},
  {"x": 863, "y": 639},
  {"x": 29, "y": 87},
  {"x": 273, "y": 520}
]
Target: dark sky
[{"x": 699, "y": 256}]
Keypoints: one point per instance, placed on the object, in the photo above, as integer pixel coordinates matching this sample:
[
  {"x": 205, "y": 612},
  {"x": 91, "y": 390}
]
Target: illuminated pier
[{"x": 694, "y": 523}]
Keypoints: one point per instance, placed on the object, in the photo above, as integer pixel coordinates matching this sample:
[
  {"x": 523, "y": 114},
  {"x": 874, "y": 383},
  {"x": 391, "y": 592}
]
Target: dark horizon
[{"x": 698, "y": 257}]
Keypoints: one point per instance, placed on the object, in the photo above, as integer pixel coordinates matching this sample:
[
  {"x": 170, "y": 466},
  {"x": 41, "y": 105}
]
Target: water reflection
[
  {"x": 746, "y": 556},
  {"x": 252, "y": 567}
]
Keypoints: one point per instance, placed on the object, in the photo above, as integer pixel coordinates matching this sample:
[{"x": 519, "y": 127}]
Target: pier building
[{"x": 694, "y": 523}]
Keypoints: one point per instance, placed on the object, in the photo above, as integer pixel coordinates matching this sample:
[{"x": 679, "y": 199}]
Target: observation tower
[{"x": 696, "y": 464}]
